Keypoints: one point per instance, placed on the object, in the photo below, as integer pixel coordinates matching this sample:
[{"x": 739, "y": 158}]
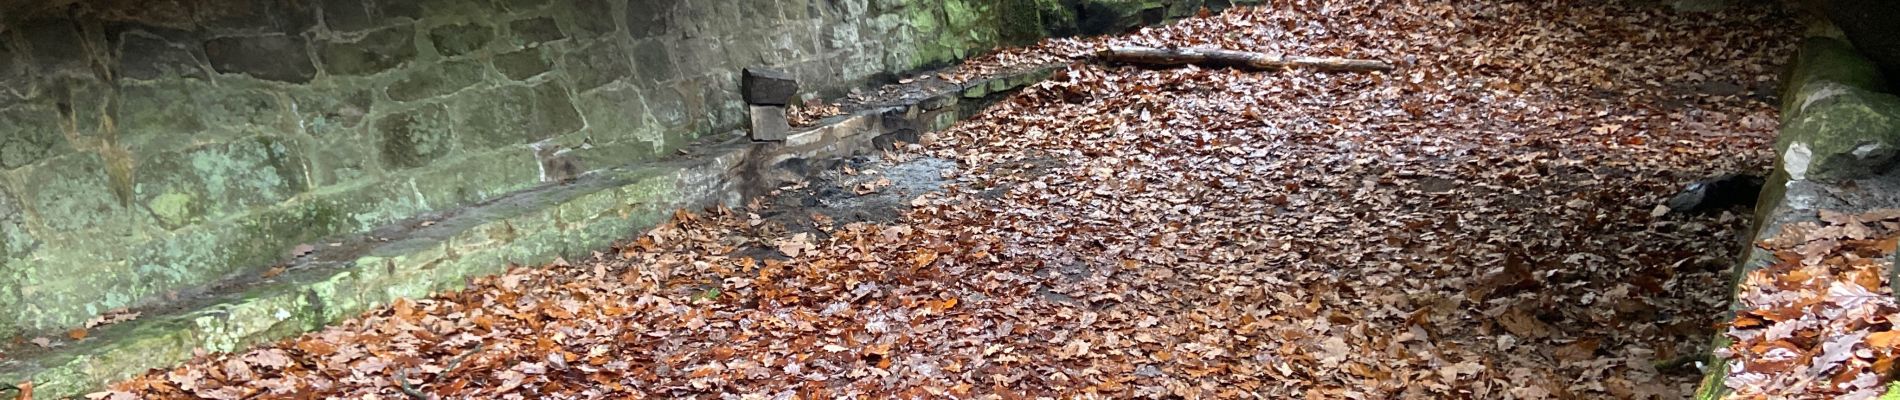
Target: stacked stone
[{"x": 767, "y": 92}]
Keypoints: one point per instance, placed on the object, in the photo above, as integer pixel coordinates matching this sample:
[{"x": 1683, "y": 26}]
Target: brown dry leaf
[
  {"x": 1127, "y": 232},
  {"x": 1883, "y": 339},
  {"x": 1523, "y": 324}
]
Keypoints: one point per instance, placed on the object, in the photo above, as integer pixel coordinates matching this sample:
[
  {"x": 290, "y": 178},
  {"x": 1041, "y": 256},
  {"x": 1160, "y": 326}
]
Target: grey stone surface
[
  {"x": 436, "y": 80},
  {"x": 377, "y": 51},
  {"x": 597, "y": 64},
  {"x": 650, "y": 18},
  {"x": 15, "y": 80},
  {"x": 769, "y": 123},
  {"x": 764, "y": 86},
  {"x": 535, "y": 31},
  {"x": 145, "y": 56},
  {"x": 654, "y": 61},
  {"x": 362, "y": 15},
  {"x": 29, "y": 135},
  {"x": 273, "y": 57},
  {"x": 522, "y": 64},
  {"x": 515, "y": 115},
  {"x": 459, "y": 39},
  {"x": 58, "y": 47},
  {"x": 413, "y": 138},
  {"x": 595, "y": 18}
]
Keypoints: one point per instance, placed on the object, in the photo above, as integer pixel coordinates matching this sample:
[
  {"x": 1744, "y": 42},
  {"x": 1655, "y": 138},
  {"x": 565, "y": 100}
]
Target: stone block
[
  {"x": 514, "y": 115},
  {"x": 698, "y": 57},
  {"x": 795, "y": 10},
  {"x": 769, "y": 86},
  {"x": 769, "y": 123},
  {"x": 654, "y": 61},
  {"x": 242, "y": 110},
  {"x": 58, "y": 47},
  {"x": 344, "y": 158},
  {"x": 252, "y": 17},
  {"x": 218, "y": 180},
  {"x": 73, "y": 193},
  {"x": 331, "y": 113},
  {"x": 759, "y": 11},
  {"x": 272, "y": 57},
  {"x": 152, "y": 114},
  {"x": 362, "y": 15},
  {"x": 522, "y": 64},
  {"x": 85, "y": 100},
  {"x": 712, "y": 20},
  {"x": 374, "y": 52},
  {"x": 594, "y": 17},
  {"x": 459, "y": 181},
  {"x": 15, "y": 78},
  {"x": 535, "y": 31},
  {"x": 145, "y": 56},
  {"x": 650, "y": 18},
  {"x": 16, "y": 240},
  {"x": 618, "y": 113},
  {"x": 459, "y": 39},
  {"x": 436, "y": 80},
  {"x": 29, "y": 134},
  {"x": 347, "y": 15},
  {"x": 597, "y": 64},
  {"x": 415, "y": 137},
  {"x": 523, "y": 5},
  {"x": 668, "y": 105}
]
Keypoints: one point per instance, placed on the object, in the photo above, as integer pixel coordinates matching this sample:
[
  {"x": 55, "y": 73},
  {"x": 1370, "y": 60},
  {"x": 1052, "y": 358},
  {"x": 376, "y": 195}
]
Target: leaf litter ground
[{"x": 1479, "y": 224}]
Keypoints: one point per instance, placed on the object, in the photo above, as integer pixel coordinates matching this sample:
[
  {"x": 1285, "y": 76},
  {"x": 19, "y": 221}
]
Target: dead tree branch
[{"x": 1153, "y": 56}]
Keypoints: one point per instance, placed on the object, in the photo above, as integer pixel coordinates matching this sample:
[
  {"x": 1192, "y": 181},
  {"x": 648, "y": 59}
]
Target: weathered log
[{"x": 1236, "y": 59}]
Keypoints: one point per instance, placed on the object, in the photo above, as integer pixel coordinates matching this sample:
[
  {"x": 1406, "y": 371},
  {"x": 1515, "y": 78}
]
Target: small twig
[
  {"x": 458, "y": 359},
  {"x": 402, "y": 375},
  {"x": 402, "y": 382},
  {"x": 25, "y": 389}
]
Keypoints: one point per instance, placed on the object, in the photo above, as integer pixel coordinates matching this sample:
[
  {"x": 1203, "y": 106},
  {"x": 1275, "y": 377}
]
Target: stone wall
[
  {"x": 1838, "y": 150},
  {"x": 147, "y": 148}
]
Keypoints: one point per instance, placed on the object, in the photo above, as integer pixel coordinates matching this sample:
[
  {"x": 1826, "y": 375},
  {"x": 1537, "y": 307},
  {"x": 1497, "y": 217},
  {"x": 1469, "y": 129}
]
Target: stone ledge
[
  {"x": 437, "y": 252},
  {"x": 1832, "y": 110}
]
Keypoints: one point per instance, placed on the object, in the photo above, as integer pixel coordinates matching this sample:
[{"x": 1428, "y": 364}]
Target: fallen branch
[{"x": 1235, "y": 59}]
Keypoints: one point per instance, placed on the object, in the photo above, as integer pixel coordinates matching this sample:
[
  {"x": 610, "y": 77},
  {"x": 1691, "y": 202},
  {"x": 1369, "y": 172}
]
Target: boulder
[
  {"x": 1840, "y": 132},
  {"x": 1827, "y": 60}
]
